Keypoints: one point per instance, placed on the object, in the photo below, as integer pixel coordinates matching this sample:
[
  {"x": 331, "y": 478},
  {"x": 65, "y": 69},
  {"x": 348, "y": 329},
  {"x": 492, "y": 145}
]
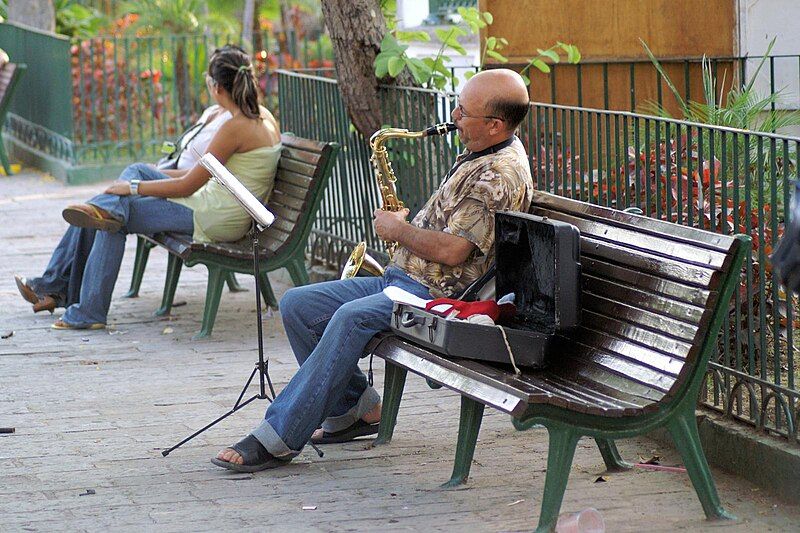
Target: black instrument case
[{"x": 538, "y": 260}]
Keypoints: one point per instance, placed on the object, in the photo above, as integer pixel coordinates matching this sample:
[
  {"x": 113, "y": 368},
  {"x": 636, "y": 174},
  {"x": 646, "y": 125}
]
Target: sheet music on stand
[{"x": 263, "y": 217}]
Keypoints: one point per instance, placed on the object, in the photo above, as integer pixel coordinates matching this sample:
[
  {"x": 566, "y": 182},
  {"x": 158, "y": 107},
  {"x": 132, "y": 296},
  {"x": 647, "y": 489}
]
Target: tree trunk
[
  {"x": 247, "y": 23},
  {"x": 182, "y": 82},
  {"x": 35, "y": 13},
  {"x": 356, "y": 28}
]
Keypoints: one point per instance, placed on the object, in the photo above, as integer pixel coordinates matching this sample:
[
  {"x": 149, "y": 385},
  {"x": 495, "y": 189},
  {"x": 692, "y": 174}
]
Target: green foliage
[
  {"x": 740, "y": 108},
  {"x": 432, "y": 72},
  {"x": 170, "y": 16},
  {"x": 76, "y": 20}
]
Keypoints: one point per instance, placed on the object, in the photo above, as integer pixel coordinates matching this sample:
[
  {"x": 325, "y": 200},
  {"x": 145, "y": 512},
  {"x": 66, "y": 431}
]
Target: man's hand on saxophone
[{"x": 436, "y": 246}]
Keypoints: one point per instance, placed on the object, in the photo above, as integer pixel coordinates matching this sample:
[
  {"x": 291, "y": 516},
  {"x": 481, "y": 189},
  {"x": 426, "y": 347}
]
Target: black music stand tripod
[{"x": 261, "y": 366}]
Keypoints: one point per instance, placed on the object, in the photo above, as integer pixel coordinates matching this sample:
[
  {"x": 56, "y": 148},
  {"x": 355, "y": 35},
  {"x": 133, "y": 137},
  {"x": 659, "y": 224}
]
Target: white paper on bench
[
  {"x": 250, "y": 203},
  {"x": 402, "y": 296}
]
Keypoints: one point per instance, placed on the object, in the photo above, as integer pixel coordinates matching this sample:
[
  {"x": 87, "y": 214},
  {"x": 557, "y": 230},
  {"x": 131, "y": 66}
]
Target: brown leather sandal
[
  {"x": 47, "y": 303},
  {"x": 25, "y": 290},
  {"x": 89, "y": 216}
]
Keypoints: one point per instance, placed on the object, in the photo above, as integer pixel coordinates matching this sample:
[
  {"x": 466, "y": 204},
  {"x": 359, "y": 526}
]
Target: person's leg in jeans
[
  {"x": 306, "y": 312},
  {"x": 64, "y": 273},
  {"x": 61, "y": 279},
  {"x": 320, "y": 383},
  {"x": 139, "y": 214}
]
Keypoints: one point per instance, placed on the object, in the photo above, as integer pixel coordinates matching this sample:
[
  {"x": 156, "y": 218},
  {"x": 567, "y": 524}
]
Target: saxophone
[{"x": 359, "y": 259}]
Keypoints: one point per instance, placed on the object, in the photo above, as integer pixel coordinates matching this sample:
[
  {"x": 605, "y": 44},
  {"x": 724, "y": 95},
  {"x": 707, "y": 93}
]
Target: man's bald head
[{"x": 504, "y": 93}]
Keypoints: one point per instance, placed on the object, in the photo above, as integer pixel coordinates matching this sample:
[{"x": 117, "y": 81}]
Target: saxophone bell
[{"x": 360, "y": 262}]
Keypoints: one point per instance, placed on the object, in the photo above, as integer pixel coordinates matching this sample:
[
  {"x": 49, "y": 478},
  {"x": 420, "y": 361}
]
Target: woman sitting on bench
[{"x": 84, "y": 267}]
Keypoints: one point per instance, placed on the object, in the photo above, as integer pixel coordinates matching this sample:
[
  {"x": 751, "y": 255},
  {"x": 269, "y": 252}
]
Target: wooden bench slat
[
  {"x": 283, "y": 212},
  {"x": 632, "y": 353},
  {"x": 617, "y": 273},
  {"x": 594, "y": 372},
  {"x": 278, "y": 198},
  {"x": 666, "y": 247},
  {"x": 627, "y": 402},
  {"x": 282, "y": 224},
  {"x": 294, "y": 153},
  {"x": 640, "y": 317},
  {"x": 608, "y": 323},
  {"x": 285, "y": 187},
  {"x": 576, "y": 396},
  {"x": 300, "y": 168},
  {"x": 300, "y": 144},
  {"x": 713, "y": 241},
  {"x": 645, "y": 300},
  {"x": 650, "y": 263},
  {"x": 294, "y": 178}
]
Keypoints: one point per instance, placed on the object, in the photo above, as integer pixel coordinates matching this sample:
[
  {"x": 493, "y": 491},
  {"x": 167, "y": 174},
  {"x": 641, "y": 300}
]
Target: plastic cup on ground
[{"x": 587, "y": 521}]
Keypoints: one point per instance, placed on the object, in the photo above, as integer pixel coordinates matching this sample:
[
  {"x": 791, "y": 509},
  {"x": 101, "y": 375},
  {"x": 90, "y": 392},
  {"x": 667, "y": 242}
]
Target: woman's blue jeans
[
  {"x": 329, "y": 325},
  {"x": 83, "y": 270}
]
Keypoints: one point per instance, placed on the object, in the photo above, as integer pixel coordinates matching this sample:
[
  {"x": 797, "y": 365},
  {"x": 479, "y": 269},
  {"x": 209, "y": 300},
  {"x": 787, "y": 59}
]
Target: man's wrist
[{"x": 135, "y": 187}]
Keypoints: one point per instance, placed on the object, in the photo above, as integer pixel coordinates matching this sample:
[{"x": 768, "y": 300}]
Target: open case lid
[{"x": 538, "y": 259}]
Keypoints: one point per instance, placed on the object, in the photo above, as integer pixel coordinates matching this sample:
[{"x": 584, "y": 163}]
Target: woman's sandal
[
  {"x": 48, "y": 303},
  {"x": 254, "y": 457},
  {"x": 89, "y": 216},
  {"x": 60, "y": 324}
]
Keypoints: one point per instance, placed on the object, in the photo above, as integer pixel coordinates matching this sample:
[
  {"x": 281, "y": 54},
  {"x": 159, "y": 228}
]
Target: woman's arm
[{"x": 223, "y": 145}]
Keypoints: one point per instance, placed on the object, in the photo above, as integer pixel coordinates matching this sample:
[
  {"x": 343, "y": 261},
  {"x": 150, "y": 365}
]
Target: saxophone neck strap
[{"x": 475, "y": 155}]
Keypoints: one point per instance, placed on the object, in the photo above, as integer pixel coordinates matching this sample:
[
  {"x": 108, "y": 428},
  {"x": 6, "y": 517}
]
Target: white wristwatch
[{"x": 135, "y": 187}]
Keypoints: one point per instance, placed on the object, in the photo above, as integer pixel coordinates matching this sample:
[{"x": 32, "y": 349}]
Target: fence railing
[
  {"x": 132, "y": 93},
  {"x": 116, "y": 99},
  {"x": 634, "y": 85},
  {"x": 720, "y": 179}
]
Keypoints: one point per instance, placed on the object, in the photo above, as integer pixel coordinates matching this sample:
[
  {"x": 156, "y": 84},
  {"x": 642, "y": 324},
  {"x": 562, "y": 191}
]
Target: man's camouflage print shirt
[{"x": 481, "y": 184}]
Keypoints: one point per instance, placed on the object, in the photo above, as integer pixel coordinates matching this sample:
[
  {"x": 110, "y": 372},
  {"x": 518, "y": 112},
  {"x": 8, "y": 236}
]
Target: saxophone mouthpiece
[{"x": 440, "y": 129}]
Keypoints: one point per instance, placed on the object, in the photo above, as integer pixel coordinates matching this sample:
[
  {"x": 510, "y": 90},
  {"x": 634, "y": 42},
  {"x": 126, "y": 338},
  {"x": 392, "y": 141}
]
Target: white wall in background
[
  {"x": 411, "y": 13},
  {"x": 759, "y": 22}
]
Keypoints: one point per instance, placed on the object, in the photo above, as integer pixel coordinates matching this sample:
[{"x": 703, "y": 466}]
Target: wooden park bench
[
  {"x": 303, "y": 171},
  {"x": 10, "y": 74},
  {"x": 654, "y": 296}
]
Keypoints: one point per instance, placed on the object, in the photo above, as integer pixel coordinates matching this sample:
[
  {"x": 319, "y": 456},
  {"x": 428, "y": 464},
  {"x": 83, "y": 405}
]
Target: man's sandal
[
  {"x": 359, "y": 429},
  {"x": 60, "y": 324},
  {"x": 254, "y": 457},
  {"x": 89, "y": 216}
]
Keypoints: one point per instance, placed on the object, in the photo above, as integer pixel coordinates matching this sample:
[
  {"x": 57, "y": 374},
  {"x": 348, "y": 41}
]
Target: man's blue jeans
[
  {"x": 329, "y": 325},
  {"x": 89, "y": 268}
]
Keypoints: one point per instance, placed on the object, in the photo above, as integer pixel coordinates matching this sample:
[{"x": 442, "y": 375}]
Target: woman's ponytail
[{"x": 231, "y": 68}]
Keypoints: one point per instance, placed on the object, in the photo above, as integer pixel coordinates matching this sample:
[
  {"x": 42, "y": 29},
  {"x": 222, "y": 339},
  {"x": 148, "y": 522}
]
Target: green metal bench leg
[
  {"x": 611, "y": 456},
  {"x": 266, "y": 291},
  {"x": 174, "y": 265},
  {"x": 560, "y": 453},
  {"x": 297, "y": 271},
  {"x": 4, "y": 158},
  {"x": 683, "y": 429},
  {"x": 233, "y": 283},
  {"x": 143, "y": 248},
  {"x": 216, "y": 282},
  {"x": 469, "y": 426},
  {"x": 394, "y": 381}
]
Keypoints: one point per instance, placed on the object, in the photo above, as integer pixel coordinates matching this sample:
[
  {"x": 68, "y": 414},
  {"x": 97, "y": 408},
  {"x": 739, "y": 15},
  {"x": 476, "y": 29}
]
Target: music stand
[{"x": 262, "y": 219}]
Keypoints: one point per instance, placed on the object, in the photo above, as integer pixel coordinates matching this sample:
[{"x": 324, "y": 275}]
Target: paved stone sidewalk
[{"x": 92, "y": 410}]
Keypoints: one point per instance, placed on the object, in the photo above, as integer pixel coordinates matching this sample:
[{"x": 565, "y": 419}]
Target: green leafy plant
[
  {"x": 742, "y": 107},
  {"x": 433, "y": 72},
  {"x": 77, "y": 20}
]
